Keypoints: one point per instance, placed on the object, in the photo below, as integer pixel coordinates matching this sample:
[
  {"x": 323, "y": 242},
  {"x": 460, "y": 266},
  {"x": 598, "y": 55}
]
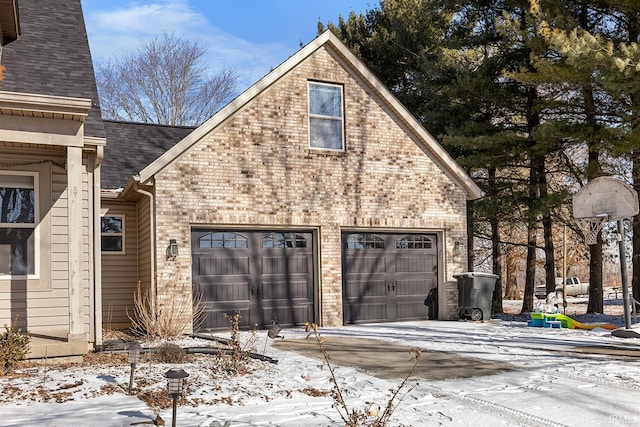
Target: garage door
[
  {"x": 386, "y": 277},
  {"x": 260, "y": 274}
]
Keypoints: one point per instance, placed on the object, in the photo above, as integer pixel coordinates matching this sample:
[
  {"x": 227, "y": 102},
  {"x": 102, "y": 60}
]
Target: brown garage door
[
  {"x": 386, "y": 277},
  {"x": 260, "y": 274}
]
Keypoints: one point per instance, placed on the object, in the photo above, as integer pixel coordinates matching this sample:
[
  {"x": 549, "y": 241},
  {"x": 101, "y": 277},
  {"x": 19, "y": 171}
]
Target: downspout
[
  {"x": 97, "y": 247},
  {"x": 152, "y": 242}
]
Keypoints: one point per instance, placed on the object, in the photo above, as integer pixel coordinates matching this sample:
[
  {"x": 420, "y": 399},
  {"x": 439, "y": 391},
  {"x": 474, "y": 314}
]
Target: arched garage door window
[
  {"x": 414, "y": 241},
  {"x": 222, "y": 239},
  {"x": 283, "y": 240},
  {"x": 364, "y": 241}
]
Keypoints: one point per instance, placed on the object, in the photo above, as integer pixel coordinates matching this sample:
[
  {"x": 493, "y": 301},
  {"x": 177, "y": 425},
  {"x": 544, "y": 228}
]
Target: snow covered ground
[{"x": 559, "y": 377}]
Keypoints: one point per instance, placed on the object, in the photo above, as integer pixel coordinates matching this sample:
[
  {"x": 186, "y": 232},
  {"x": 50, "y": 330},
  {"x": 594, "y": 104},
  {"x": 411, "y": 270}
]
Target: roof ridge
[{"x": 127, "y": 122}]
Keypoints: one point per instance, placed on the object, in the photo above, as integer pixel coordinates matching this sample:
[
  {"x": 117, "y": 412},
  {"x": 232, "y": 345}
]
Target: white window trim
[
  {"x": 36, "y": 226},
  {"x": 319, "y": 116},
  {"x": 122, "y": 234}
]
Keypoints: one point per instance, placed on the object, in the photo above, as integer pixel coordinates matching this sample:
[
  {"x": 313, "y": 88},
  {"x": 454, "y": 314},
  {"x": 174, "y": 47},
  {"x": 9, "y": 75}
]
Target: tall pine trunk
[
  {"x": 496, "y": 248},
  {"x": 547, "y": 226},
  {"x": 512, "y": 259},
  {"x": 594, "y": 170}
]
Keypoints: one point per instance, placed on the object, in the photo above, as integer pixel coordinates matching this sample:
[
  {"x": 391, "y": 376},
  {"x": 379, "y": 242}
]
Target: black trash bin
[
  {"x": 432, "y": 304},
  {"x": 475, "y": 294}
]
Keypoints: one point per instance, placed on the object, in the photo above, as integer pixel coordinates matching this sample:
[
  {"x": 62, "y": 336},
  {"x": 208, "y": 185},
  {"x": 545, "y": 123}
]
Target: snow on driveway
[{"x": 560, "y": 377}]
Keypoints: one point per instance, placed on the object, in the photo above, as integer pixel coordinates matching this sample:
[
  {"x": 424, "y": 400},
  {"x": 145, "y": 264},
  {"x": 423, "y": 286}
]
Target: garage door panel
[
  {"x": 412, "y": 287},
  {"x": 299, "y": 314},
  {"x": 358, "y": 289},
  {"x": 284, "y": 265},
  {"x": 369, "y": 264},
  {"x": 286, "y": 290},
  {"x": 257, "y": 273},
  {"x": 410, "y": 310},
  {"x": 210, "y": 266},
  {"x": 365, "y": 313},
  {"x": 222, "y": 292},
  {"x": 387, "y": 276},
  {"x": 216, "y": 319},
  {"x": 414, "y": 264}
]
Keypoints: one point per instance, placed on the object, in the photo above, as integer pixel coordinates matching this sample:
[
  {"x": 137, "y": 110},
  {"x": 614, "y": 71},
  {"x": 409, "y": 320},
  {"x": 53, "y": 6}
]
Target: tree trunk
[
  {"x": 496, "y": 251},
  {"x": 547, "y": 225},
  {"x": 536, "y": 167},
  {"x": 594, "y": 170},
  {"x": 511, "y": 271},
  {"x": 530, "y": 274},
  {"x": 470, "y": 253}
]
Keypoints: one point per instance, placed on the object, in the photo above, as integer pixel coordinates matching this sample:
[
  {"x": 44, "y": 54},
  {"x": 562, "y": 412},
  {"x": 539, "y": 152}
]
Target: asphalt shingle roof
[
  {"x": 133, "y": 146},
  {"x": 52, "y": 57}
]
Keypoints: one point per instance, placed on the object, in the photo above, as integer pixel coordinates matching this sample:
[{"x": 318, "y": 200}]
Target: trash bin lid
[{"x": 476, "y": 274}]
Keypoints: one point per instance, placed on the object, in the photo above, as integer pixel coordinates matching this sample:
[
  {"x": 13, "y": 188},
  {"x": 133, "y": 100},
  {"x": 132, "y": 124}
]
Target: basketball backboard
[{"x": 605, "y": 197}]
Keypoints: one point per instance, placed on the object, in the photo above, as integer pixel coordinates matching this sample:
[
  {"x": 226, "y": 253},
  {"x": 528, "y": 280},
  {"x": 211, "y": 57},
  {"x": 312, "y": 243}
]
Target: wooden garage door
[
  {"x": 386, "y": 277},
  {"x": 257, "y": 273}
]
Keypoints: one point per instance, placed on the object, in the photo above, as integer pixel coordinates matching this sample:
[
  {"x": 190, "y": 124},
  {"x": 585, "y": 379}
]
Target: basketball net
[{"x": 590, "y": 228}]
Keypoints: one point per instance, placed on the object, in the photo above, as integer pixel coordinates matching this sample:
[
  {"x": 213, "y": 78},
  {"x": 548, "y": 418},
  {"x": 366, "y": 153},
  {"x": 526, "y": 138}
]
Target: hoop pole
[{"x": 623, "y": 274}]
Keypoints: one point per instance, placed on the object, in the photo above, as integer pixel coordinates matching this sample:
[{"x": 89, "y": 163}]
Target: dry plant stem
[
  {"x": 168, "y": 320},
  {"x": 359, "y": 418},
  {"x": 338, "y": 393},
  {"x": 388, "y": 410}
]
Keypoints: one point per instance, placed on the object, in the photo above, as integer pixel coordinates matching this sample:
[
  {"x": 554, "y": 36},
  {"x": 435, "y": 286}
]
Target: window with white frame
[
  {"x": 18, "y": 224},
  {"x": 112, "y": 233},
  {"x": 326, "y": 118}
]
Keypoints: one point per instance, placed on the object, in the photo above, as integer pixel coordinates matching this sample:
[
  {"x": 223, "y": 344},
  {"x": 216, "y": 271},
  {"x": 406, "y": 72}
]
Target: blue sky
[{"x": 252, "y": 36}]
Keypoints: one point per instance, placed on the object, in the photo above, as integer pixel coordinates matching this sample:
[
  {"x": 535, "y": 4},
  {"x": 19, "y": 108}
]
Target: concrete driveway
[{"x": 389, "y": 361}]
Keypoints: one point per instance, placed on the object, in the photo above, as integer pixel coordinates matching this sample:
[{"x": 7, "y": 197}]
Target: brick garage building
[{"x": 313, "y": 196}]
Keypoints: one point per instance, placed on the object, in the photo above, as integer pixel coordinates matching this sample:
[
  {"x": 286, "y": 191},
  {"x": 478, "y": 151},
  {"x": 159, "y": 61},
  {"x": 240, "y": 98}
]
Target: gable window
[
  {"x": 18, "y": 224},
  {"x": 283, "y": 240},
  {"x": 365, "y": 241},
  {"x": 223, "y": 239},
  {"x": 326, "y": 118},
  {"x": 112, "y": 233}
]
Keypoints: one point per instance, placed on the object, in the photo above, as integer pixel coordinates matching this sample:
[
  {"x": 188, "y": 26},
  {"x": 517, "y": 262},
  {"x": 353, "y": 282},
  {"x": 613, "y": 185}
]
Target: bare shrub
[
  {"x": 370, "y": 416},
  {"x": 234, "y": 358},
  {"x": 170, "y": 353},
  {"x": 14, "y": 345},
  {"x": 168, "y": 320}
]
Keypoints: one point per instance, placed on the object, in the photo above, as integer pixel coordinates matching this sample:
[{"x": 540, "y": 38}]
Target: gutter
[{"x": 152, "y": 240}]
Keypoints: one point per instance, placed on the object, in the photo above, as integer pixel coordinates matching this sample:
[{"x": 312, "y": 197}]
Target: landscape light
[
  {"x": 175, "y": 381},
  {"x": 133, "y": 356}
]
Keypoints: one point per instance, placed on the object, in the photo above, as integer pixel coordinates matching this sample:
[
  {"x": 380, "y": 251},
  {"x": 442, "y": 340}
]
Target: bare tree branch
[{"x": 166, "y": 81}]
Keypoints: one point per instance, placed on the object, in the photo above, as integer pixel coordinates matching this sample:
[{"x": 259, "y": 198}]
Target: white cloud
[{"x": 113, "y": 32}]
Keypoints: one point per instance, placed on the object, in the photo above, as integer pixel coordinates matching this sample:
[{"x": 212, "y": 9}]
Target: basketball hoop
[
  {"x": 602, "y": 200},
  {"x": 591, "y": 227}
]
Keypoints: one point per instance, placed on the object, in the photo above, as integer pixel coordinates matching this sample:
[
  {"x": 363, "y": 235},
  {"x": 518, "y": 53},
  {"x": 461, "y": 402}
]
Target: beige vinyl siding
[
  {"x": 120, "y": 270},
  {"x": 87, "y": 224},
  {"x": 144, "y": 242},
  {"x": 42, "y": 306}
]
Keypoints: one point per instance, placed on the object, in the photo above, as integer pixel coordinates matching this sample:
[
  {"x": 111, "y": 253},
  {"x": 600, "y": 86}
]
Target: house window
[
  {"x": 223, "y": 239},
  {"x": 365, "y": 241},
  {"x": 283, "y": 240},
  {"x": 326, "y": 118},
  {"x": 113, "y": 233},
  {"x": 414, "y": 241},
  {"x": 18, "y": 224}
]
